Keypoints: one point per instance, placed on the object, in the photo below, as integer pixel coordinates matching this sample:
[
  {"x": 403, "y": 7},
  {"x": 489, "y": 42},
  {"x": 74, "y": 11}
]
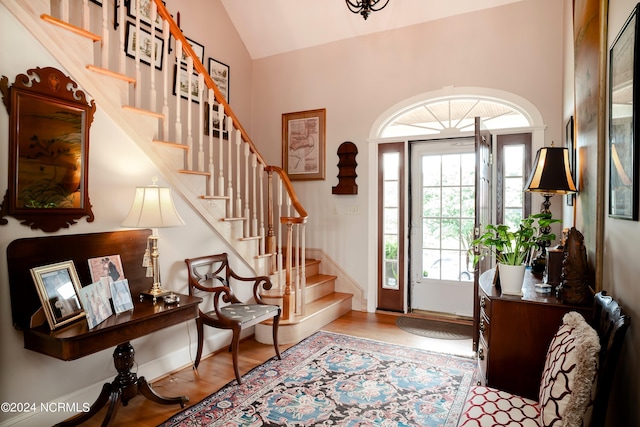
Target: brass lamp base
[{"x": 154, "y": 293}]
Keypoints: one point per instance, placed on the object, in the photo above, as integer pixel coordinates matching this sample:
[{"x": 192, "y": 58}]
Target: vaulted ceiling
[{"x": 271, "y": 27}]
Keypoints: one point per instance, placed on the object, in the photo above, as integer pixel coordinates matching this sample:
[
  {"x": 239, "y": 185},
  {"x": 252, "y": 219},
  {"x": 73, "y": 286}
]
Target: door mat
[{"x": 434, "y": 329}]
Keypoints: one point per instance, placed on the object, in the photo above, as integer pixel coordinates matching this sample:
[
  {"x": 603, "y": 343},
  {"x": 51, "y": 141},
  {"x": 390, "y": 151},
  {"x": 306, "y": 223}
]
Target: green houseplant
[{"x": 511, "y": 247}]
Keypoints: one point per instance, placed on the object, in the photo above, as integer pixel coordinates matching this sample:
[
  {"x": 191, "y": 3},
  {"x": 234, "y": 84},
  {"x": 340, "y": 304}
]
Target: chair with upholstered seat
[
  {"x": 213, "y": 275},
  {"x": 576, "y": 380}
]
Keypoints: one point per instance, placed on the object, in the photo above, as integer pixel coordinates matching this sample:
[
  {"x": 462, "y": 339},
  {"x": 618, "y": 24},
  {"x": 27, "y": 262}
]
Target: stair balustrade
[{"x": 233, "y": 169}]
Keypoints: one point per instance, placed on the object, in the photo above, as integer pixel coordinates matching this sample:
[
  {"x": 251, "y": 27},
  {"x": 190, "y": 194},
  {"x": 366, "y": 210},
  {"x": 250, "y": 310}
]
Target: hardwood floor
[{"x": 217, "y": 370}]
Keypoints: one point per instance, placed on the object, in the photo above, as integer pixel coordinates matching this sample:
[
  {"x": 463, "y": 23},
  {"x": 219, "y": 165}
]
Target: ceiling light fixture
[{"x": 365, "y": 7}]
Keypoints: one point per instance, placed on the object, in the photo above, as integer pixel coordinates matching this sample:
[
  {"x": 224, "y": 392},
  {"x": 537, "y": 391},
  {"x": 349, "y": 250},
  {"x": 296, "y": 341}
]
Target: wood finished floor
[{"x": 217, "y": 370}]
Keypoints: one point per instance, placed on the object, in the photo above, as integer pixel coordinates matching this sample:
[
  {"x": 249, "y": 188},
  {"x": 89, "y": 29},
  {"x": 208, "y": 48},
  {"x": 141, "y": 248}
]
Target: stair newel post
[
  {"x": 201, "y": 92},
  {"x": 106, "y": 45},
  {"x": 178, "y": 124},
  {"x": 238, "y": 206},
  {"x": 246, "y": 213},
  {"x": 261, "y": 231},
  {"x": 166, "y": 32},
  {"x": 279, "y": 234},
  {"x": 138, "y": 73},
  {"x": 270, "y": 241},
  {"x": 189, "y": 165},
  {"x": 212, "y": 177},
  {"x": 287, "y": 302},
  {"x": 122, "y": 57},
  {"x": 152, "y": 75}
]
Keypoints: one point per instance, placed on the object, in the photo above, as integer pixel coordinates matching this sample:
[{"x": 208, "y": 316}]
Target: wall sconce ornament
[
  {"x": 49, "y": 121},
  {"x": 347, "y": 153}
]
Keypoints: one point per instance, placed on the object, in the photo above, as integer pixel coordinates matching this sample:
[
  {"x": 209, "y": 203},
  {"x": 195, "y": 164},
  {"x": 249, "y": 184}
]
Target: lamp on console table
[
  {"x": 550, "y": 175},
  {"x": 153, "y": 208}
]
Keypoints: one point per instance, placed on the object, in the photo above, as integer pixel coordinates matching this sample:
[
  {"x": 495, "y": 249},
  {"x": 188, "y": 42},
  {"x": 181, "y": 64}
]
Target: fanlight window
[{"x": 454, "y": 115}]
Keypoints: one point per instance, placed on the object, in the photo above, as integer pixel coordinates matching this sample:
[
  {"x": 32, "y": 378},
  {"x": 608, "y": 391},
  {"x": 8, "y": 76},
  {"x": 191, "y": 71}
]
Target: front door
[{"x": 442, "y": 223}]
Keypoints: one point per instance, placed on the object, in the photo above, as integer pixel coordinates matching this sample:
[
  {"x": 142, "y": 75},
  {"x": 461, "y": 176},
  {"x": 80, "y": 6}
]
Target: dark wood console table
[
  {"x": 77, "y": 340},
  {"x": 515, "y": 333}
]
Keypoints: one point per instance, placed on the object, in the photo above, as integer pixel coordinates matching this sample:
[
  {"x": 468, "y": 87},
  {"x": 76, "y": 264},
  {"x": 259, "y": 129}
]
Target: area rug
[
  {"x": 331, "y": 379},
  {"x": 434, "y": 329}
]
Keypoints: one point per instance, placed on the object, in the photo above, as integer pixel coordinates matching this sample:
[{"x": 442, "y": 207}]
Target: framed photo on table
[
  {"x": 623, "y": 125},
  {"x": 303, "y": 144},
  {"x": 58, "y": 287}
]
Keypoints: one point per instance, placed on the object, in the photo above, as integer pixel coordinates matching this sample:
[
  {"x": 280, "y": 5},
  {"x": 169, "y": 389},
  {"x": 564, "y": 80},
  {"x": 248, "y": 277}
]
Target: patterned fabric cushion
[
  {"x": 486, "y": 406},
  {"x": 569, "y": 373},
  {"x": 248, "y": 312}
]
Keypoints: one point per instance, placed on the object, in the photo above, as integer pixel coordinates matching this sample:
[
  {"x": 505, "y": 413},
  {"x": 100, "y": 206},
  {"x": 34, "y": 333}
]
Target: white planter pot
[{"x": 511, "y": 278}]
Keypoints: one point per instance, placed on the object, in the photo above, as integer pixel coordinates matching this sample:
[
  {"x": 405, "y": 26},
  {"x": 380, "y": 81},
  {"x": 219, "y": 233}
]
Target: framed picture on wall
[
  {"x": 181, "y": 84},
  {"x": 623, "y": 125},
  {"x": 219, "y": 72},
  {"x": 145, "y": 46},
  {"x": 303, "y": 144},
  {"x": 145, "y": 12}
]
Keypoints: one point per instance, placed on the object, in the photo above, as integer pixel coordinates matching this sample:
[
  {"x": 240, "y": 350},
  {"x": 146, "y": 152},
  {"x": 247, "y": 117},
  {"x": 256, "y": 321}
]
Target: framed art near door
[{"x": 303, "y": 144}]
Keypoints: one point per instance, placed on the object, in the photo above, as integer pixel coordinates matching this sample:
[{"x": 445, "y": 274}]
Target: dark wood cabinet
[{"x": 515, "y": 333}]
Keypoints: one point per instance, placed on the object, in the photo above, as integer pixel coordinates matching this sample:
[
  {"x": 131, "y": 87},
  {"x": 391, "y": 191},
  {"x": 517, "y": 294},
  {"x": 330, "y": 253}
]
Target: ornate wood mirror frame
[{"x": 48, "y": 150}]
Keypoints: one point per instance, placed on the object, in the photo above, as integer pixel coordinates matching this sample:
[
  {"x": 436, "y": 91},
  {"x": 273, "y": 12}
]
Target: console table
[
  {"x": 77, "y": 340},
  {"x": 515, "y": 333}
]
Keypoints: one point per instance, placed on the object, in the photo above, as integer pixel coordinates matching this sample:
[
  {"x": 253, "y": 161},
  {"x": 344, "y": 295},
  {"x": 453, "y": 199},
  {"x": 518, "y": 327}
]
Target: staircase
[{"x": 252, "y": 205}]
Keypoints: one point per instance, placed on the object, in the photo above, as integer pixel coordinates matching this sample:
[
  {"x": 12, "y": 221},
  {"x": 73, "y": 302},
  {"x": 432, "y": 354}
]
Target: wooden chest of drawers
[{"x": 515, "y": 333}]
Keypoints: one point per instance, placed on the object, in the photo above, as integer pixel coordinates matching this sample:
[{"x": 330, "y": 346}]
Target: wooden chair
[
  {"x": 568, "y": 395},
  {"x": 212, "y": 274}
]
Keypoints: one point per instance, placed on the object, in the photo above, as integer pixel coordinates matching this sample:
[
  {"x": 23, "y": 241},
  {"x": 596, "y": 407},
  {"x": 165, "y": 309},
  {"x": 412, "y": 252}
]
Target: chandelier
[{"x": 365, "y": 7}]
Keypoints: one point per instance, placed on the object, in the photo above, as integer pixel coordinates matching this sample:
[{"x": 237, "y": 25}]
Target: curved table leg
[
  {"x": 124, "y": 387},
  {"x": 149, "y": 393}
]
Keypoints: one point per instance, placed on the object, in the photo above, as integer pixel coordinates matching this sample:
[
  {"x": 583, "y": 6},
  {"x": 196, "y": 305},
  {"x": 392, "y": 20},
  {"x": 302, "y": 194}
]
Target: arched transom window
[{"x": 454, "y": 115}]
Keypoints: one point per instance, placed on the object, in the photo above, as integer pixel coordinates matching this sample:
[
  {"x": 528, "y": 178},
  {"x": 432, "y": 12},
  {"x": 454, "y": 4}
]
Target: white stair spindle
[
  {"x": 246, "y": 212},
  {"x": 178, "y": 124},
  {"x": 138, "y": 85},
  {"x": 254, "y": 206},
  {"x": 122, "y": 56},
  {"x": 212, "y": 177},
  {"x": 106, "y": 44},
  {"x": 220, "y": 150},
  {"x": 303, "y": 269},
  {"x": 261, "y": 206},
  {"x": 166, "y": 32},
  {"x": 189, "y": 112},
  {"x": 64, "y": 10},
  {"x": 201, "y": 93},
  {"x": 229, "y": 168},
  {"x": 86, "y": 15},
  {"x": 152, "y": 69},
  {"x": 238, "y": 207}
]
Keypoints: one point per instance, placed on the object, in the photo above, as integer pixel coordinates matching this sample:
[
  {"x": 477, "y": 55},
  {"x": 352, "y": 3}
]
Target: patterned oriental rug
[{"x": 330, "y": 379}]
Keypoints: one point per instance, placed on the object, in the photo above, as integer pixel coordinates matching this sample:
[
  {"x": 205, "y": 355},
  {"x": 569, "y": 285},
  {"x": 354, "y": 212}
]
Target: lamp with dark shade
[
  {"x": 550, "y": 175},
  {"x": 153, "y": 208}
]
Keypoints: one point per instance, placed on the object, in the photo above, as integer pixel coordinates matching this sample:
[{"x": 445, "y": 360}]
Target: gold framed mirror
[{"x": 49, "y": 122}]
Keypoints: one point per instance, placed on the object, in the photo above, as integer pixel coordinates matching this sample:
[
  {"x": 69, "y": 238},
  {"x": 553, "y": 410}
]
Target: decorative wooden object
[
  {"x": 574, "y": 280},
  {"x": 347, "y": 153},
  {"x": 48, "y": 150}
]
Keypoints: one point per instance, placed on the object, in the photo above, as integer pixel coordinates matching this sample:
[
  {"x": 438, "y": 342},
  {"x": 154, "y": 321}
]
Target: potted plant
[{"x": 512, "y": 247}]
